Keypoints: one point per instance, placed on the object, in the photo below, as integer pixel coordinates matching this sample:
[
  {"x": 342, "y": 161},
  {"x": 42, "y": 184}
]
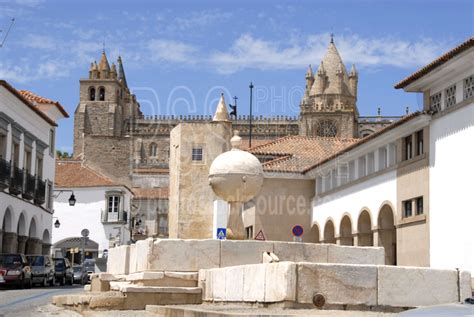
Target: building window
[
  {"x": 249, "y": 233},
  {"x": 435, "y": 102},
  {"x": 419, "y": 142},
  {"x": 469, "y": 87},
  {"x": 92, "y": 94},
  {"x": 39, "y": 167},
  {"x": 49, "y": 200},
  {"x": 419, "y": 206},
  {"x": 101, "y": 93},
  {"x": 51, "y": 141},
  {"x": 407, "y": 208},
  {"x": 326, "y": 128},
  {"x": 27, "y": 160},
  {"x": 16, "y": 154},
  {"x": 114, "y": 203},
  {"x": 197, "y": 154},
  {"x": 362, "y": 167},
  {"x": 408, "y": 147},
  {"x": 370, "y": 163},
  {"x": 153, "y": 150},
  {"x": 450, "y": 96},
  {"x": 3, "y": 146}
]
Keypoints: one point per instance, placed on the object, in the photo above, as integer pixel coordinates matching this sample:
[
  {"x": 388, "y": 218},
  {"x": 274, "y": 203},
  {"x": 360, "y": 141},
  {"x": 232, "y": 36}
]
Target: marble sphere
[{"x": 236, "y": 175}]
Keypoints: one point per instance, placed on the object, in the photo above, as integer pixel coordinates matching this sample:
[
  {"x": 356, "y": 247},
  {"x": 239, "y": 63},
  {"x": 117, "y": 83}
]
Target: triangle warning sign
[{"x": 260, "y": 236}]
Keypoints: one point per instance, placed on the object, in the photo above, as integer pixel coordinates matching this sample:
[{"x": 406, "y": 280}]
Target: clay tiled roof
[
  {"x": 27, "y": 103},
  {"x": 244, "y": 146},
  {"x": 72, "y": 173},
  {"x": 35, "y": 99},
  {"x": 295, "y": 154},
  {"x": 151, "y": 193},
  {"x": 361, "y": 141},
  {"x": 436, "y": 63}
]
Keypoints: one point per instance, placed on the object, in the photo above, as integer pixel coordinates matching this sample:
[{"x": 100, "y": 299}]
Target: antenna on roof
[{"x": 6, "y": 34}]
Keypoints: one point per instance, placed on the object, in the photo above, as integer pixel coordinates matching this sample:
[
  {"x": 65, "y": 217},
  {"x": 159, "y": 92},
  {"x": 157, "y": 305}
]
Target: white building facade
[
  {"x": 408, "y": 187},
  {"x": 102, "y": 207},
  {"x": 27, "y": 158}
]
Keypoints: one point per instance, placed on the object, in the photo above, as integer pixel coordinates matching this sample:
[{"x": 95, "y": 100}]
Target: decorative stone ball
[{"x": 236, "y": 175}]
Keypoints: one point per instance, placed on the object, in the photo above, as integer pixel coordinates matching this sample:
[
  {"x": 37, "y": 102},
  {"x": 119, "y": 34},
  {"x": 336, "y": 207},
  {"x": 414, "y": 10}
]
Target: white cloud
[
  {"x": 201, "y": 18},
  {"x": 248, "y": 52},
  {"x": 172, "y": 51}
]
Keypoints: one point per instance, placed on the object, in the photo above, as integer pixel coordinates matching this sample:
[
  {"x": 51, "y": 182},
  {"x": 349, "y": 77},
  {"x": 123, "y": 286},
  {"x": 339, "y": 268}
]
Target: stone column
[
  {"x": 235, "y": 225},
  {"x": 1, "y": 241},
  {"x": 39, "y": 247},
  {"x": 10, "y": 242},
  {"x": 32, "y": 246},
  {"x": 46, "y": 248},
  {"x": 22, "y": 244}
]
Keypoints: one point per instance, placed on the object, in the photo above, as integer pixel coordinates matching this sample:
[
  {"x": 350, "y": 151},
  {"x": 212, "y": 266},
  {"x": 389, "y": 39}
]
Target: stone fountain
[{"x": 236, "y": 176}]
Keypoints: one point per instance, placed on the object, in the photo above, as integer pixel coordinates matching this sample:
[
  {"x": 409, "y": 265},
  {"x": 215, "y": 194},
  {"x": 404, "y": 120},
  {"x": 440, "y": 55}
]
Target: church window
[
  {"x": 197, "y": 154},
  {"x": 326, "y": 128},
  {"x": 469, "y": 87},
  {"x": 101, "y": 93},
  {"x": 435, "y": 102},
  {"x": 153, "y": 150},
  {"x": 92, "y": 94},
  {"x": 450, "y": 96},
  {"x": 114, "y": 202}
]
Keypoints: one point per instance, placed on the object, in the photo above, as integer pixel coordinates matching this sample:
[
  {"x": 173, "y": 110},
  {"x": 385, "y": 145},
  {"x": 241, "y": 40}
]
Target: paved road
[{"x": 32, "y": 302}]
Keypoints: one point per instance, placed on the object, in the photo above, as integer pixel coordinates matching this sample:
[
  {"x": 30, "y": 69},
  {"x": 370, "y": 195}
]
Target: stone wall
[
  {"x": 109, "y": 156},
  {"x": 191, "y": 198},
  {"x": 343, "y": 286},
  {"x": 193, "y": 255}
]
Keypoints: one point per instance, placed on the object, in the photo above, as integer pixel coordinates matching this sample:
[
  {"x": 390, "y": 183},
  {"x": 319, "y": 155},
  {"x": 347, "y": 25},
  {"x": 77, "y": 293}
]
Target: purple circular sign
[{"x": 297, "y": 231}]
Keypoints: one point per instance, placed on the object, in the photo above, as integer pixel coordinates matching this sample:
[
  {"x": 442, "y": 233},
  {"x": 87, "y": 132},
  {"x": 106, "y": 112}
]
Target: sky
[{"x": 180, "y": 55}]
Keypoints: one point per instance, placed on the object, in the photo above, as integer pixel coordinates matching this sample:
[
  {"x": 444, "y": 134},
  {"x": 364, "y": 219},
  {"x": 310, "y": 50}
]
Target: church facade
[{"x": 113, "y": 136}]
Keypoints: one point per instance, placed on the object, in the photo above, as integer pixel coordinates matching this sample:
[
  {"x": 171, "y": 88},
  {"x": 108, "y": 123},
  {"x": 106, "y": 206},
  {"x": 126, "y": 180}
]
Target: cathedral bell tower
[
  {"x": 101, "y": 108},
  {"x": 328, "y": 108}
]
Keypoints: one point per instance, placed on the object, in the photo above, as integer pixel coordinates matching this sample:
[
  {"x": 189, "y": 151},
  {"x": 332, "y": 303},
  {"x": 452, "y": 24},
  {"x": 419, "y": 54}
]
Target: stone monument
[{"x": 236, "y": 176}]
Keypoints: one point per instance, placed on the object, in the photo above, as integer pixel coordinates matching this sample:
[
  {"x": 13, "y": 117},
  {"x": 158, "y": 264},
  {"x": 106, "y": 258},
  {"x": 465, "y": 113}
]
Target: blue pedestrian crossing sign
[{"x": 221, "y": 233}]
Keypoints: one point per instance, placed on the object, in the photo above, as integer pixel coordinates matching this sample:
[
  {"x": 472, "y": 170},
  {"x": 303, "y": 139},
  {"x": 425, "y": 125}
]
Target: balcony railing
[
  {"x": 107, "y": 217},
  {"x": 29, "y": 186},
  {"x": 19, "y": 181},
  {"x": 40, "y": 192},
  {"x": 16, "y": 181},
  {"x": 5, "y": 173}
]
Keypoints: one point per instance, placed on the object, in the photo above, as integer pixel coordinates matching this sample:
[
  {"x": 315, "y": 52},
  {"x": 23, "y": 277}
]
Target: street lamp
[
  {"x": 72, "y": 198},
  {"x": 56, "y": 223}
]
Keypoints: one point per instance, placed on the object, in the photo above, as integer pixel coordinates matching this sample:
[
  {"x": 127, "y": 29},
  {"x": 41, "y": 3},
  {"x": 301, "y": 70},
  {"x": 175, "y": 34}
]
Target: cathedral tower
[
  {"x": 328, "y": 108},
  {"x": 105, "y": 103}
]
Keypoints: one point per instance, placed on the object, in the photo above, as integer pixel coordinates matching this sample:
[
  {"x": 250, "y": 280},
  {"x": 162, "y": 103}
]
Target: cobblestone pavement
[{"x": 35, "y": 301}]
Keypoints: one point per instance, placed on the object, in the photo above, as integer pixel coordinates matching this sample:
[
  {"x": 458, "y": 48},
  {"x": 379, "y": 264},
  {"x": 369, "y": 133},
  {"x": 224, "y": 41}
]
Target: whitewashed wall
[
  {"x": 371, "y": 195},
  {"x": 87, "y": 213},
  {"x": 451, "y": 190}
]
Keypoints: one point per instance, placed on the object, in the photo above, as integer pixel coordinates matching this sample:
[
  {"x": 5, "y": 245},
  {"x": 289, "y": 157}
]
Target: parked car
[
  {"x": 63, "y": 272},
  {"x": 80, "y": 274},
  {"x": 14, "y": 269},
  {"x": 89, "y": 267},
  {"x": 42, "y": 267}
]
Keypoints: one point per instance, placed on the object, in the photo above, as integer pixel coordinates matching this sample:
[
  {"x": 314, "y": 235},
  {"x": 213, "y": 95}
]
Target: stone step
[
  {"x": 130, "y": 297},
  {"x": 166, "y": 278}
]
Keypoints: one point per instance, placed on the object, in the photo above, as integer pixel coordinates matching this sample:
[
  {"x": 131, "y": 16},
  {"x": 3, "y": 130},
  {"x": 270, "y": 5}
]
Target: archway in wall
[
  {"x": 314, "y": 234},
  {"x": 345, "y": 231},
  {"x": 387, "y": 234},
  {"x": 46, "y": 242},
  {"x": 365, "y": 237},
  {"x": 21, "y": 234},
  {"x": 6, "y": 231},
  {"x": 329, "y": 232},
  {"x": 32, "y": 240}
]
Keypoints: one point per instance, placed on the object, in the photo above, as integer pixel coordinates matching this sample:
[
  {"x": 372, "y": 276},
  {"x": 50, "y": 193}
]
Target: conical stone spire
[
  {"x": 104, "y": 63},
  {"x": 221, "y": 114},
  {"x": 309, "y": 72},
  {"x": 121, "y": 72},
  {"x": 353, "y": 71}
]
